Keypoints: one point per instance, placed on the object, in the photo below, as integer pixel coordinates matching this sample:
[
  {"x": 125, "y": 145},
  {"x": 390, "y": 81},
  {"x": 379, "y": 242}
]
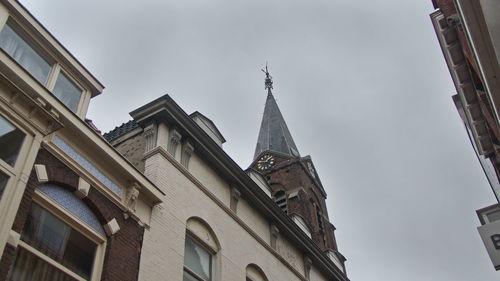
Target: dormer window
[
  {"x": 19, "y": 47},
  {"x": 67, "y": 92},
  {"x": 22, "y": 52}
]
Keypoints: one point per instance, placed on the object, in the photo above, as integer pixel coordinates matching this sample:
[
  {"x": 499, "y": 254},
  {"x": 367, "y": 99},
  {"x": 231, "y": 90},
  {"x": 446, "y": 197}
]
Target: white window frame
[
  {"x": 205, "y": 247},
  {"x": 14, "y": 172},
  {"x": 76, "y": 224},
  {"x": 56, "y": 67}
]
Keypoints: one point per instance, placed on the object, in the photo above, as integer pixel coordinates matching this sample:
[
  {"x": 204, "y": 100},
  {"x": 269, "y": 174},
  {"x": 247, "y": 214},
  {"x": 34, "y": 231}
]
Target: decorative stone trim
[
  {"x": 132, "y": 196},
  {"x": 187, "y": 151},
  {"x": 41, "y": 173},
  {"x": 274, "y": 236},
  {"x": 111, "y": 227},
  {"x": 150, "y": 137},
  {"x": 174, "y": 140},
  {"x": 235, "y": 198},
  {"x": 13, "y": 238},
  {"x": 83, "y": 188},
  {"x": 307, "y": 267}
]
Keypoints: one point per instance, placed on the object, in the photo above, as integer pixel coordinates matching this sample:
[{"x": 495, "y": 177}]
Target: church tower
[{"x": 295, "y": 185}]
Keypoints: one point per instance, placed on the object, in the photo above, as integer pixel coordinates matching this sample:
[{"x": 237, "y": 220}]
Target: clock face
[{"x": 265, "y": 162}]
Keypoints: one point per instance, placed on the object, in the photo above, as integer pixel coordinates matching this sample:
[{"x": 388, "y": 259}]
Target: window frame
[
  {"x": 208, "y": 249},
  {"x": 52, "y": 207},
  {"x": 58, "y": 70},
  {"x": 30, "y": 40},
  {"x": 14, "y": 172},
  {"x": 55, "y": 67}
]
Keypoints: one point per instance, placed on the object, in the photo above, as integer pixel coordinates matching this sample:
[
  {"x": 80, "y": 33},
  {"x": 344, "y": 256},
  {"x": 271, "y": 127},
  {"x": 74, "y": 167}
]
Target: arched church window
[
  {"x": 200, "y": 251},
  {"x": 61, "y": 239}
]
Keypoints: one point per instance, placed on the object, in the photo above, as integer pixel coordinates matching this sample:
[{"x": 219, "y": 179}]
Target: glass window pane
[
  {"x": 56, "y": 239},
  {"x": 3, "y": 182},
  {"x": 24, "y": 54},
  {"x": 11, "y": 139},
  {"x": 188, "y": 277},
  {"x": 197, "y": 259},
  {"x": 28, "y": 267},
  {"x": 67, "y": 92}
]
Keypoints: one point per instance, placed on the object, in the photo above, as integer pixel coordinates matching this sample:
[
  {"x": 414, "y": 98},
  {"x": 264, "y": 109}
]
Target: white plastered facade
[{"x": 199, "y": 191}]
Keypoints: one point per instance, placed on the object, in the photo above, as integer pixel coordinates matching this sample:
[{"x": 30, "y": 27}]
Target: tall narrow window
[
  {"x": 21, "y": 51},
  {"x": 197, "y": 262},
  {"x": 11, "y": 140},
  {"x": 67, "y": 92},
  {"x": 201, "y": 251},
  {"x": 3, "y": 182}
]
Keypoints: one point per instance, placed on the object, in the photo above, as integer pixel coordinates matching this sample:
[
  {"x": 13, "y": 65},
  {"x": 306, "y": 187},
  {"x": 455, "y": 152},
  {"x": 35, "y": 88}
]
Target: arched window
[
  {"x": 61, "y": 239},
  {"x": 201, "y": 248},
  {"x": 255, "y": 273}
]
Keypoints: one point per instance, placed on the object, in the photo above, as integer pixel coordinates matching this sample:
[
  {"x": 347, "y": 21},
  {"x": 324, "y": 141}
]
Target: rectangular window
[
  {"x": 21, "y": 51},
  {"x": 11, "y": 140},
  {"x": 19, "y": 48},
  {"x": 3, "y": 182},
  {"x": 67, "y": 92},
  {"x": 53, "y": 241},
  {"x": 197, "y": 262}
]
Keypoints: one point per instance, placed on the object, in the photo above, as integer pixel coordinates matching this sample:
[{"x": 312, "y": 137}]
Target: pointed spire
[{"x": 274, "y": 134}]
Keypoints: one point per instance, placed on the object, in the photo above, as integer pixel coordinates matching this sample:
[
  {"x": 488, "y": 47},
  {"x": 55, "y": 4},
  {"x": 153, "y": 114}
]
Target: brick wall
[
  {"x": 123, "y": 249},
  {"x": 133, "y": 149},
  {"x": 289, "y": 174}
]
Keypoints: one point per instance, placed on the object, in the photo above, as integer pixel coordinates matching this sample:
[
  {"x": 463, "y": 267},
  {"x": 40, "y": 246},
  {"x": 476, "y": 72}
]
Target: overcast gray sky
[{"x": 362, "y": 85}]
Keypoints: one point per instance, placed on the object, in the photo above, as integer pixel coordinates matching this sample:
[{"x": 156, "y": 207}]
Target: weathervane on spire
[{"x": 269, "y": 80}]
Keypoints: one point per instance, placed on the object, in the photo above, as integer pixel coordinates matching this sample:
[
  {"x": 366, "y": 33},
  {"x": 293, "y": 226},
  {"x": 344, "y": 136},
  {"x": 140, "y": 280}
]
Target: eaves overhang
[
  {"x": 459, "y": 68},
  {"x": 480, "y": 35},
  {"x": 166, "y": 109},
  {"x": 96, "y": 146}
]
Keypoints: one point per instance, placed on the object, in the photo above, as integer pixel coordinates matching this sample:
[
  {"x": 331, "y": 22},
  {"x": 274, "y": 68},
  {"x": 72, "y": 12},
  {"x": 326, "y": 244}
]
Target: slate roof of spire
[{"x": 274, "y": 134}]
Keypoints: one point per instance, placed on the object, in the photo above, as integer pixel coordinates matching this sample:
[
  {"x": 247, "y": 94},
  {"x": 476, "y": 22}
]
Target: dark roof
[
  {"x": 120, "y": 130},
  {"x": 274, "y": 134}
]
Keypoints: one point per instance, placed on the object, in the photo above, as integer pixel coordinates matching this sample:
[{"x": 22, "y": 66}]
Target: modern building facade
[
  {"x": 469, "y": 34},
  {"x": 157, "y": 198}
]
